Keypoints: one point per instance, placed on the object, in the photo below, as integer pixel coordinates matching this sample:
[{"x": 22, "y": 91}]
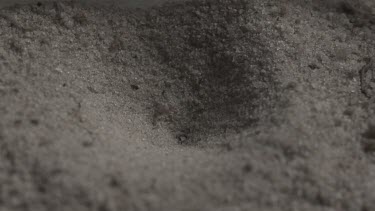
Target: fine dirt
[{"x": 203, "y": 105}]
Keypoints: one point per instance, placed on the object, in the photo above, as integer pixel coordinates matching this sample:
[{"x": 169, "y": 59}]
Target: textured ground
[{"x": 204, "y": 105}]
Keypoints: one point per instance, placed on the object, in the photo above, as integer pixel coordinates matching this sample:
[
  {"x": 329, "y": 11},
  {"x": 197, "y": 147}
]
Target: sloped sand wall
[{"x": 207, "y": 105}]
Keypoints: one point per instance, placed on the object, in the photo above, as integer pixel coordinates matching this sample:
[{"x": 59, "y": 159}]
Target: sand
[{"x": 204, "y": 105}]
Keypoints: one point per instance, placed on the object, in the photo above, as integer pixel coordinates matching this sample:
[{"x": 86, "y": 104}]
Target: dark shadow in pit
[{"x": 219, "y": 69}]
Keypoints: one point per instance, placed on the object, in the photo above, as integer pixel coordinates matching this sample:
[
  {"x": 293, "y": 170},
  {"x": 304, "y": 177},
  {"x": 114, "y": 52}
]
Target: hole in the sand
[
  {"x": 34, "y": 122},
  {"x": 134, "y": 87},
  {"x": 219, "y": 71},
  {"x": 346, "y": 8}
]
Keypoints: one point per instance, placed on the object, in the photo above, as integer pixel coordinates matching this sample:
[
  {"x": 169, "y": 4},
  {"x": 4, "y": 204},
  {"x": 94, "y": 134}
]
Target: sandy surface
[
  {"x": 97, "y": 3},
  {"x": 217, "y": 105}
]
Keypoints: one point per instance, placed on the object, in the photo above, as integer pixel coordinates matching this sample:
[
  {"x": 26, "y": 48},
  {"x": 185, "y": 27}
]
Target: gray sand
[
  {"x": 98, "y": 3},
  {"x": 216, "y": 105}
]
